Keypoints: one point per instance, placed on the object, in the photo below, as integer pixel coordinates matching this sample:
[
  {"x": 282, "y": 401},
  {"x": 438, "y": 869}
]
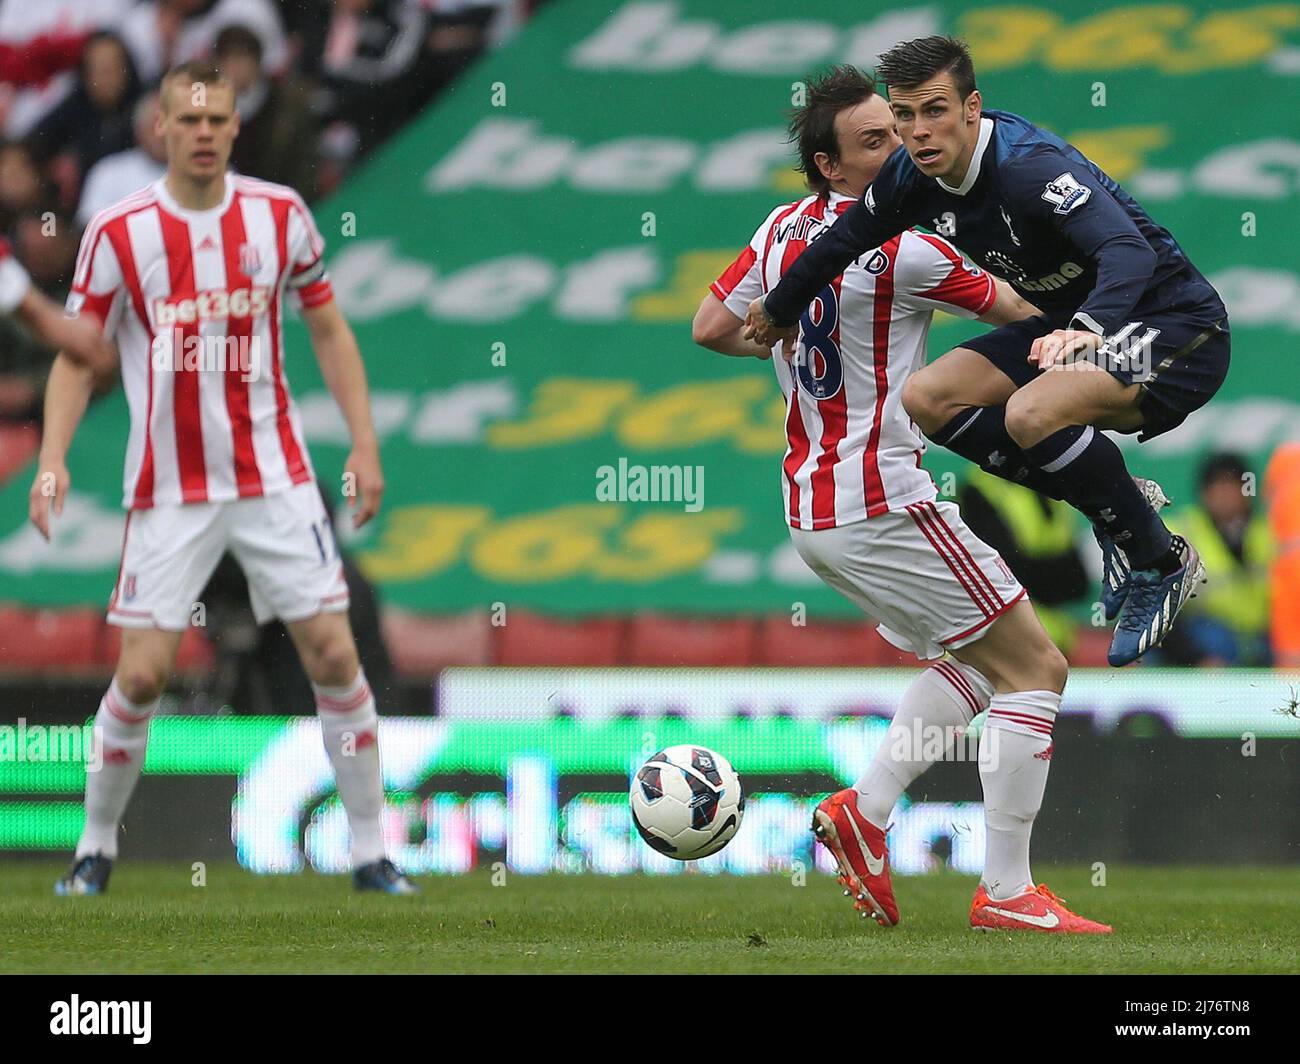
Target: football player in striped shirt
[
  {"x": 866, "y": 518},
  {"x": 188, "y": 275}
]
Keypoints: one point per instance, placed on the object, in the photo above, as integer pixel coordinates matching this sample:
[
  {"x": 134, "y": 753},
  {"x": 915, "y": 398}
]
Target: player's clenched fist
[
  {"x": 1062, "y": 346},
  {"x": 760, "y": 328},
  {"x": 49, "y": 489},
  {"x": 363, "y": 470}
]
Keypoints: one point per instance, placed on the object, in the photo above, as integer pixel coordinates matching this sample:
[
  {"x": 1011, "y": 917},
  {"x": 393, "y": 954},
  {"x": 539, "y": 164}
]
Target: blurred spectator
[
  {"x": 23, "y": 365},
  {"x": 1036, "y": 538},
  {"x": 47, "y": 245},
  {"x": 96, "y": 118},
  {"x": 162, "y": 33},
  {"x": 1228, "y": 622},
  {"x": 366, "y": 61},
  {"x": 1282, "y": 493},
  {"x": 460, "y": 30},
  {"x": 276, "y": 130},
  {"x": 40, "y": 48},
  {"x": 117, "y": 176},
  {"x": 22, "y": 190}
]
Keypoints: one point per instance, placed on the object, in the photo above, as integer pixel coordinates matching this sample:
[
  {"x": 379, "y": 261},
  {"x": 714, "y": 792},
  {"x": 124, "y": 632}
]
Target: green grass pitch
[{"x": 1167, "y": 919}]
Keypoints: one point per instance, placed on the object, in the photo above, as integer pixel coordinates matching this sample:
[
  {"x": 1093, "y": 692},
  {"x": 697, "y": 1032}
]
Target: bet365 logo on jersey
[{"x": 211, "y": 303}]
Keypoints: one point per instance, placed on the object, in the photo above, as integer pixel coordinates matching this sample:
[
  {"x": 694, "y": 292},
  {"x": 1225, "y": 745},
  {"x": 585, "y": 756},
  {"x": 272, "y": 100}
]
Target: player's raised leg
[
  {"x": 1056, "y": 419},
  {"x": 121, "y": 735},
  {"x": 350, "y": 728},
  {"x": 1046, "y": 437}
]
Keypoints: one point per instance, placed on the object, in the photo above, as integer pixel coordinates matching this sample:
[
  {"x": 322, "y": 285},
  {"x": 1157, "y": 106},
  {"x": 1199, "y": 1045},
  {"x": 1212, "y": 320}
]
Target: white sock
[
  {"x": 1015, "y": 756},
  {"x": 121, "y": 735},
  {"x": 946, "y": 696},
  {"x": 349, "y": 725}
]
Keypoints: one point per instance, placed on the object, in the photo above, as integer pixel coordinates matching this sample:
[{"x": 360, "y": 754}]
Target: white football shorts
[
  {"x": 927, "y": 580},
  {"x": 283, "y": 542}
]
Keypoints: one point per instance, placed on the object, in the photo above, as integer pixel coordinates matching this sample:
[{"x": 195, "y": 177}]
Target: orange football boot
[
  {"x": 1034, "y": 910},
  {"x": 860, "y": 853}
]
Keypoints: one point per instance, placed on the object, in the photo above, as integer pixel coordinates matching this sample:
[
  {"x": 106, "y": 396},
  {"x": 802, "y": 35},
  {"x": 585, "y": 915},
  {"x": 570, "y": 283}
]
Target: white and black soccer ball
[{"x": 687, "y": 802}]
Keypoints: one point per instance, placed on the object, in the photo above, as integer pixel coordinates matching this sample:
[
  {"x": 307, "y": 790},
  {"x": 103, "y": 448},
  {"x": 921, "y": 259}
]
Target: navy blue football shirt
[{"x": 1031, "y": 209}]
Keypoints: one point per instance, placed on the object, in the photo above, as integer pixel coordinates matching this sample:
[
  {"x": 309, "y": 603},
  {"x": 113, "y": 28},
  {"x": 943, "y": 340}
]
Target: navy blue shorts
[{"x": 1178, "y": 360}]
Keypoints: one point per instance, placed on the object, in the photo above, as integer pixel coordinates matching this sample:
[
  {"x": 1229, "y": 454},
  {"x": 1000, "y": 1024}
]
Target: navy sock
[
  {"x": 980, "y": 435},
  {"x": 1093, "y": 478}
]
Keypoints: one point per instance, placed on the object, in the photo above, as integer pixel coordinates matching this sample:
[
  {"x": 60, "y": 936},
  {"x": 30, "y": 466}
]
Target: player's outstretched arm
[
  {"x": 716, "y": 328},
  {"x": 345, "y": 376},
  {"x": 67, "y": 394},
  {"x": 1009, "y": 306},
  {"x": 857, "y": 231},
  {"x": 80, "y": 339}
]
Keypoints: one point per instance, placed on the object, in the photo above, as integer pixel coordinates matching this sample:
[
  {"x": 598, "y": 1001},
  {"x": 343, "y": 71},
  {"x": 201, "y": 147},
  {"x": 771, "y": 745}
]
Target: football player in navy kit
[{"x": 1131, "y": 336}]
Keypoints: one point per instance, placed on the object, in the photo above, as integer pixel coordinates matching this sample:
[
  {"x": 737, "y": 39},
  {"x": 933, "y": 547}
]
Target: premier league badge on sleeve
[{"x": 1065, "y": 193}]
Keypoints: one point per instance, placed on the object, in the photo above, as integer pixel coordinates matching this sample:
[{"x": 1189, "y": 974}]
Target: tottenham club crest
[
  {"x": 1065, "y": 193},
  {"x": 946, "y": 225},
  {"x": 250, "y": 259},
  {"x": 1007, "y": 218}
]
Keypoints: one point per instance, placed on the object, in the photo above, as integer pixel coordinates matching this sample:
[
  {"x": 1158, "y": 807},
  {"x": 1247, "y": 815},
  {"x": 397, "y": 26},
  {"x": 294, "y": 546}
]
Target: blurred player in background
[
  {"x": 1122, "y": 306},
  {"x": 45, "y": 318},
  {"x": 188, "y": 274},
  {"x": 864, "y": 515}
]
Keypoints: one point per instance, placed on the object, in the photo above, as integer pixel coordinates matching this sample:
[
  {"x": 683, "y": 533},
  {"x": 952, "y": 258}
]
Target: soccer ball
[{"x": 687, "y": 802}]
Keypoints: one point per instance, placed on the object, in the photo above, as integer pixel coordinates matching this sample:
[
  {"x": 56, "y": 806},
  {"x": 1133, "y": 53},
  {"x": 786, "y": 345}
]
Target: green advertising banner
[
  {"x": 532, "y": 766},
  {"x": 521, "y": 266}
]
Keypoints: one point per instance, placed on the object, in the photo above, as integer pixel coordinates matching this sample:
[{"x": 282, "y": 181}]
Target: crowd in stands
[{"x": 319, "y": 83}]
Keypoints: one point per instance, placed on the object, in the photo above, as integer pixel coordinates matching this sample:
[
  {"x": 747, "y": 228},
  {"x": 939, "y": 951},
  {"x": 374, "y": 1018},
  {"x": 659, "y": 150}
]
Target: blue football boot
[
  {"x": 1153, "y": 602},
  {"x": 1114, "y": 562}
]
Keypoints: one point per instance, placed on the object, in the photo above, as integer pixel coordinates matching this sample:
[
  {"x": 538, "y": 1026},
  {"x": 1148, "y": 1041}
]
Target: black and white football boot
[
  {"x": 88, "y": 875},
  {"x": 1154, "y": 599},
  {"x": 382, "y": 876}
]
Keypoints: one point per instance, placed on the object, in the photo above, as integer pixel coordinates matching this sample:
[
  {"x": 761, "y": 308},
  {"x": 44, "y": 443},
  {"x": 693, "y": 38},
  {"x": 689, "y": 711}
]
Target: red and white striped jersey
[
  {"x": 853, "y": 453},
  {"x": 193, "y": 299}
]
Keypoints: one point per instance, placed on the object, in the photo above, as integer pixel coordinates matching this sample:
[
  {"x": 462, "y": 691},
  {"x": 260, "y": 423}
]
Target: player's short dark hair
[
  {"x": 196, "y": 71},
  {"x": 812, "y": 126},
  {"x": 909, "y": 64}
]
